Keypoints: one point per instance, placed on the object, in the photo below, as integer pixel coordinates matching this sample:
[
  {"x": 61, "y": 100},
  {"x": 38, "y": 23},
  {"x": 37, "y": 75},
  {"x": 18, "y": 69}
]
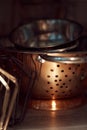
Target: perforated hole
[
  {"x": 47, "y": 91},
  {"x": 56, "y": 76},
  {"x": 51, "y": 87},
  {"x": 51, "y": 70},
  {"x": 55, "y": 80},
  {"x": 48, "y": 82},
  {"x": 66, "y": 75},
  {"x": 73, "y": 72},
  {"x": 48, "y": 76},
  {"x": 52, "y": 94},
  {"x": 70, "y": 80},
  {"x": 58, "y": 65},
  {"x": 62, "y": 70},
  {"x": 61, "y": 86},
  {"x": 63, "y": 92},
  {"x": 69, "y": 68},
  {"x": 56, "y": 91},
  {"x": 60, "y": 80},
  {"x": 66, "y": 86},
  {"x": 57, "y": 84}
]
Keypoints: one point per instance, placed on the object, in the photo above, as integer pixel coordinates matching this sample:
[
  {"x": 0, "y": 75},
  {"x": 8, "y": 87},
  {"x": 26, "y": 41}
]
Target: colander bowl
[
  {"x": 46, "y": 35},
  {"x": 60, "y": 81}
]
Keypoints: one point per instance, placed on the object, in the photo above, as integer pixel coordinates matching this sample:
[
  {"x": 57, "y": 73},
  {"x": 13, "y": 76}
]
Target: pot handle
[{"x": 62, "y": 59}]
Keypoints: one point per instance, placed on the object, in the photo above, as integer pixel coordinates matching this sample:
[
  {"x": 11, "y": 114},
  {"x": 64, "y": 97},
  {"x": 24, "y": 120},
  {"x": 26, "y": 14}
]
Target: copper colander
[{"x": 60, "y": 77}]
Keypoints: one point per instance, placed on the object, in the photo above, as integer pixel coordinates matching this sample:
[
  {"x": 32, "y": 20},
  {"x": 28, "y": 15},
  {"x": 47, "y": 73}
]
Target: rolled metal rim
[{"x": 64, "y": 59}]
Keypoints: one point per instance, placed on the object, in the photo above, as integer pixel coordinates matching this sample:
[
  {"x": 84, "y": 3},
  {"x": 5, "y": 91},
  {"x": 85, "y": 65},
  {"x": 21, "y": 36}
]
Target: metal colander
[
  {"x": 58, "y": 79},
  {"x": 57, "y": 76}
]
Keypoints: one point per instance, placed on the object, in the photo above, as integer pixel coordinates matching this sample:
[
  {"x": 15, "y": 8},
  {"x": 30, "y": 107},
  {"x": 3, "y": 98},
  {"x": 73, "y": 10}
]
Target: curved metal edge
[
  {"x": 62, "y": 59},
  {"x": 59, "y": 48}
]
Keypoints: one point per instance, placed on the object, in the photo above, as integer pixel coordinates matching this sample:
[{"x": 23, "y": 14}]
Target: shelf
[{"x": 72, "y": 119}]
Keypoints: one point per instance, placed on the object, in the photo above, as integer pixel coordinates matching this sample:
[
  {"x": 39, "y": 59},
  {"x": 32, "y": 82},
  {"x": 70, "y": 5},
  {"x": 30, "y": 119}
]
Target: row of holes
[
  {"x": 56, "y": 91},
  {"x": 78, "y": 65},
  {"x": 63, "y": 87},
  {"x": 56, "y": 76},
  {"x": 59, "y": 81},
  {"x": 69, "y": 69},
  {"x": 65, "y": 95},
  {"x": 63, "y": 92}
]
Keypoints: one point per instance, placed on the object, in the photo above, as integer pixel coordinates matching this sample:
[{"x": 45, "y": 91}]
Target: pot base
[{"x": 57, "y": 104}]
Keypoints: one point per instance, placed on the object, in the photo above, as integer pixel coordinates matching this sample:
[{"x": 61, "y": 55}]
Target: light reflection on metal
[
  {"x": 64, "y": 59},
  {"x": 43, "y": 26},
  {"x": 8, "y": 103},
  {"x": 41, "y": 60},
  {"x": 4, "y": 82},
  {"x": 53, "y": 105},
  {"x": 5, "y": 102}
]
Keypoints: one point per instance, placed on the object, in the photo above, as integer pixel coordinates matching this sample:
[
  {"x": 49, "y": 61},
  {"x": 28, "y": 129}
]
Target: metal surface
[
  {"x": 54, "y": 80},
  {"x": 47, "y": 35},
  {"x": 54, "y": 105},
  {"x": 59, "y": 80},
  {"x": 64, "y": 59},
  {"x": 25, "y": 78},
  {"x": 8, "y": 82},
  {"x": 72, "y": 119}
]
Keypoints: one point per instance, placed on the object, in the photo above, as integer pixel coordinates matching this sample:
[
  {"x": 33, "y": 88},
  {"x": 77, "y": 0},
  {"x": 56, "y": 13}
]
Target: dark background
[{"x": 15, "y": 12}]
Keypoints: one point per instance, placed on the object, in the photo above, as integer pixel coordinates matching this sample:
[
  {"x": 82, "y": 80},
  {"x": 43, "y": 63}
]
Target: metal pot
[
  {"x": 56, "y": 78},
  {"x": 60, "y": 80},
  {"x": 47, "y": 35}
]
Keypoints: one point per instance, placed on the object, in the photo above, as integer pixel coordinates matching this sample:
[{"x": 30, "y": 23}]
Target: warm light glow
[
  {"x": 40, "y": 59},
  {"x": 4, "y": 82},
  {"x": 44, "y": 26},
  {"x": 53, "y": 105}
]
